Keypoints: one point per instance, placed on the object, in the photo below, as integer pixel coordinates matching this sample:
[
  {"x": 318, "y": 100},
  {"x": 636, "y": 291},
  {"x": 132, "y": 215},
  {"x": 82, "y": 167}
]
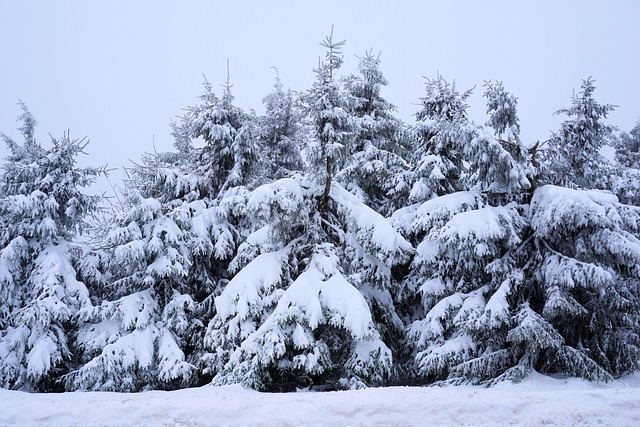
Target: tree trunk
[{"x": 327, "y": 187}]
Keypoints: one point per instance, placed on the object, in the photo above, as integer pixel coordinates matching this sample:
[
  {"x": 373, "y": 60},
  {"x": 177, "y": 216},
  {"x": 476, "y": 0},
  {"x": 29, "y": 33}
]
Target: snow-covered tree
[
  {"x": 626, "y": 184},
  {"x": 436, "y": 161},
  {"x": 230, "y": 156},
  {"x": 628, "y": 147},
  {"x": 502, "y": 108},
  {"x": 584, "y": 280},
  {"x": 328, "y": 106},
  {"x": 282, "y": 132},
  {"x": 461, "y": 274},
  {"x": 377, "y": 172},
  {"x": 42, "y": 210},
  {"x": 317, "y": 265},
  {"x": 454, "y": 154},
  {"x": 466, "y": 233},
  {"x": 299, "y": 306},
  {"x": 169, "y": 247},
  {"x": 572, "y": 158}
]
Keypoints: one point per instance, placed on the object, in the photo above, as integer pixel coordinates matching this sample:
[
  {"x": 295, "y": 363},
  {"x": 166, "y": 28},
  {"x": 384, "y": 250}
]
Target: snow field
[{"x": 537, "y": 401}]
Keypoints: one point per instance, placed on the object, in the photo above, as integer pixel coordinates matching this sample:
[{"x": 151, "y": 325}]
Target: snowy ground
[{"x": 537, "y": 401}]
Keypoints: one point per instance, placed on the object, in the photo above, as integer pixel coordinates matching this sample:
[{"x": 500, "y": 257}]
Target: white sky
[{"x": 119, "y": 71}]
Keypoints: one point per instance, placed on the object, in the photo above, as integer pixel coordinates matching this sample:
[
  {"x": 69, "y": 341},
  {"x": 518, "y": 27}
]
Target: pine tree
[
  {"x": 502, "y": 108},
  {"x": 328, "y": 109},
  {"x": 42, "y": 211},
  {"x": 628, "y": 147},
  {"x": 436, "y": 161},
  {"x": 148, "y": 265},
  {"x": 299, "y": 305},
  {"x": 467, "y": 235},
  {"x": 462, "y": 270}
]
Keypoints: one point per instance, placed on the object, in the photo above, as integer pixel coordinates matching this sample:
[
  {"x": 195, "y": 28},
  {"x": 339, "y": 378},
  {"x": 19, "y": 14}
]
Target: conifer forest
[{"x": 326, "y": 244}]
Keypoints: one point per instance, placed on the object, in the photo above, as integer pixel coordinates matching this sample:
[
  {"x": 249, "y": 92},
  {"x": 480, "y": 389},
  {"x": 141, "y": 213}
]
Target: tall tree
[
  {"x": 42, "y": 210},
  {"x": 327, "y": 105},
  {"x": 466, "y": 234},
  {"x": 168, "y": 247},
  {"x": 308, "y": 278}
]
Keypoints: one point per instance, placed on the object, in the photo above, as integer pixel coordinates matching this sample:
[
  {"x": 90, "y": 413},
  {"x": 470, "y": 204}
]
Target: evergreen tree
[
  {"x": 377, "y": 173},
  {"x": 466, "y": 235},
  {"x": 583, "y": 279},
  {"x": 453, "y": 154},
  {"x": 502, "y": 108},
  {"x": 299, "y": 307},
  {"x": 628, "y": 147},
  {"x": 42, "y": 210},
  {"x": 463, "y": 270},
  {"x": 627, "y": 184},
  {"x": 229, "y": 158},
  {"x": 327, "y": 106},
  {"x": 573, "y": 156},
  {"x": 148, "y": 265},
  {"x": 281, "y": 132},
  {"x": 168, "y": 249},
  {"x": 436, "y": 161}
]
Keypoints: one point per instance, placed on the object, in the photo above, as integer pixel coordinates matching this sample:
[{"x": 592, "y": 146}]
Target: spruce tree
[
  {"x": 42, "y": 210},
  {"x": 627, "y": 182},
  {"x": 466, "y": 236},
  {"x": 327, "y": 106},
  {"x": 281, "y": 132},
  {"x": 229, "y": 157},
  {"x": 573, "y": 156},
  {"x": 168, "y": 248},
  {"x": 377, "y": 173},
  {"x": 583, "y": 279},
  {"x": 299, "y": 309},
  {"x": 437, "y": 165}
]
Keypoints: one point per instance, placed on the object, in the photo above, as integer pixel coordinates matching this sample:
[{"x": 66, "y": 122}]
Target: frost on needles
[{"x": 326, "y": 244}]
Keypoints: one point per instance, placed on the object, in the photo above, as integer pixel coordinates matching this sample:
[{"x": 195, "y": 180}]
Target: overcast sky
[{"x": 119, "y": 71}]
